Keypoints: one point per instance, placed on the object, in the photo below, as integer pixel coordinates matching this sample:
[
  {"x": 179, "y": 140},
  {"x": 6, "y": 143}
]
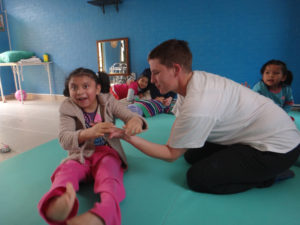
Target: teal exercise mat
[
  {"x": 156, "y": 191},
  {"x": 296, "y": 116}
]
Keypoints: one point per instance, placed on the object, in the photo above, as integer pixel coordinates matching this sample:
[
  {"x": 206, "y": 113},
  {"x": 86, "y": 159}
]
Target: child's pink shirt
[{"x": 122, "y": 89}]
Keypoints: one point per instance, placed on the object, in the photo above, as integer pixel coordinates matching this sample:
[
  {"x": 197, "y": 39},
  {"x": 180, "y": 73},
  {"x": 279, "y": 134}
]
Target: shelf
[{"x": 102, "y": 3}]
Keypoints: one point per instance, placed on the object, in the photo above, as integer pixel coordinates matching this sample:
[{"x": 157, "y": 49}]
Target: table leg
[
  {"x": 2, "y": 95},
  {"x": 13, "y": 68},
  {"x": 49, "y": 77},
  {"x": 19, "y": 79}
]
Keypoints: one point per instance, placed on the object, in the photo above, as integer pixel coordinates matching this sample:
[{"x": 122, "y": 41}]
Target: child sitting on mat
[
  {"x": 130, "y": 89},
  {"x": 276, "y": 84},
  {"x": 86, "y": 121}
]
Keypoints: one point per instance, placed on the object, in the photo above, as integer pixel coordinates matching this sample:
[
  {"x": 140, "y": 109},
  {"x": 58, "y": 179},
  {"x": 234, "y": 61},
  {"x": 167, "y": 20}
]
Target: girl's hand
[
  {"x": 160, "y": 99},
  {"x": 167, "y": 101},
  {"x": 129, "y": 81},
  {"x": 97, "y": 130},
  {"x": 117, "y": 133},
  {"x": 133, "y": 126},
  {"x": 246, "y": 84},
  {"x": 101, "y": 128}
]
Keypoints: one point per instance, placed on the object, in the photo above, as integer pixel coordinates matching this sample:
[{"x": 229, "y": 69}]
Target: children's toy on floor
[
  {"x": 18, "y": 95},
  {"x": 4, "y": 148}
]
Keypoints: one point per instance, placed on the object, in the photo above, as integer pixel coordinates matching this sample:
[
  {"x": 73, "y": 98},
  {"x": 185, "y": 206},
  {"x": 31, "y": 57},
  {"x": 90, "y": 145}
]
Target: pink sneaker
[{"x": 4, "y": 148}]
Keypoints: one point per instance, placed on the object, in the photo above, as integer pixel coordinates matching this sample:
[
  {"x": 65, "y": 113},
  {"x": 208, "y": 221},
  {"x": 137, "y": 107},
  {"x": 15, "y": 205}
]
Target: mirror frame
[{"x": 126, "y": 55}]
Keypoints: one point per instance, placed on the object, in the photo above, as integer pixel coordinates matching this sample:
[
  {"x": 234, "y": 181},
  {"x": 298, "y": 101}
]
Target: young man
[
  {"x": 154, "y": 92},
  {"x": 234, "y": 138}
]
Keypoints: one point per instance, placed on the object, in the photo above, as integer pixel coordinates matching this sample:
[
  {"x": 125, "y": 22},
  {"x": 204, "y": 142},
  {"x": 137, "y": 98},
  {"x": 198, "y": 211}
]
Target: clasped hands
[
  {"x": 164, "y": 101},
  {"x": 132, "y": 127}
]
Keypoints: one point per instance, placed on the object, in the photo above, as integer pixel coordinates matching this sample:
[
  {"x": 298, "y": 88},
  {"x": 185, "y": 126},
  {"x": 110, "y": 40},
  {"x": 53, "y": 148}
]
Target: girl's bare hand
[
  {"x": 246, "y": 84},
  {"x": 167, "y": 101},
  {"x": 101, "y": 128},
  {"x": 116, "y": 133}
]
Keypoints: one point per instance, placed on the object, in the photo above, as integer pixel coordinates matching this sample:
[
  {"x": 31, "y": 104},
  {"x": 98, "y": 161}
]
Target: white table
[{"x": 17, "y": 68}]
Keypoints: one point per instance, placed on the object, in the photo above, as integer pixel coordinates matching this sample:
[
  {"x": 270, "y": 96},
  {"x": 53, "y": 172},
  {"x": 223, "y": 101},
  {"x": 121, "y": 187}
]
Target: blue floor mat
[{"x": 156, "y": 191}]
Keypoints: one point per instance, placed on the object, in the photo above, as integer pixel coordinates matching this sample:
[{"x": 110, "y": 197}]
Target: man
[
  {"x": 234, "y": 138},
  {"x": 166, "y": 99}
]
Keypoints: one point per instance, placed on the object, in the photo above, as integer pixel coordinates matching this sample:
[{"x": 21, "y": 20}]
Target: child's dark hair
[
  {"x": 285, "y": 71},
  {"x": 101, "y": 79},
  {"x": 104, "y": 81},
  {"x": 147, "y": 73}
]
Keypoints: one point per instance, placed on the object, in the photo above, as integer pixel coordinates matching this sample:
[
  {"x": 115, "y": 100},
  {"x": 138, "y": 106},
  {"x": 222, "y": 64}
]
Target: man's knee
[{"x": 196, "y": 181}]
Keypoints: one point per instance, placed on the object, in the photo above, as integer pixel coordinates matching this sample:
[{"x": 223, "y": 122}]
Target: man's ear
[{"x": 177, "y": 68}]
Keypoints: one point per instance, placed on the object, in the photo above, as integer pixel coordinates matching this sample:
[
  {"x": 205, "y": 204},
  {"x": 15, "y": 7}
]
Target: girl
[
  {"x": 86, "y": 128},
  {"x": 151, "y": 107},
  {"x": 130, "y": 89},
  {"x": 275, "y": 84}
]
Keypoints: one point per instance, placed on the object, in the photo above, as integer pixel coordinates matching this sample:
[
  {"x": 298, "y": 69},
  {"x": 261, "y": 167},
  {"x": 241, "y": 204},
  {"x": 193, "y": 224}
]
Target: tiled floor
[{"x": 25, "y": 126}]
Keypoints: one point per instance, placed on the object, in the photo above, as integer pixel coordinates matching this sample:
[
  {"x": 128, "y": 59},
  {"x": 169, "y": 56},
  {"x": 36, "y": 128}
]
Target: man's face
[{"x": 162, "y": 76}]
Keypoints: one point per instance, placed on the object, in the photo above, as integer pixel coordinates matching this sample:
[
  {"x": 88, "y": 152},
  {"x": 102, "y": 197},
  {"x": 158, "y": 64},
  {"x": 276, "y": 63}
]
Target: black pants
[{"x": 221, "y": 169}]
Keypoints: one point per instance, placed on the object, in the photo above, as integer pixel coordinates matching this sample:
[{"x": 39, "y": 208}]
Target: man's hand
[
  {"x": 117, "y": 133},
  {"x": 133, "y": 126}
]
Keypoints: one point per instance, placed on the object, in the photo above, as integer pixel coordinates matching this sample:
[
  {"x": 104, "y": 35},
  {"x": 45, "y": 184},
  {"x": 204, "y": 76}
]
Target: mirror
[{"x": 113, "y": 56}]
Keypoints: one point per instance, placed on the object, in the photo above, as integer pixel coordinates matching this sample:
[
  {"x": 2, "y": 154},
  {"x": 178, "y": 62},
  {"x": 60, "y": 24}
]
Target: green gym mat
[{"x": 156, "y": 191}]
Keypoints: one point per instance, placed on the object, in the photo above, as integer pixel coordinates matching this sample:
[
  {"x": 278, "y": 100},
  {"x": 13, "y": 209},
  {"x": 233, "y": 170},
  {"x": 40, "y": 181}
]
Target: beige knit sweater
[{"x": 72, "y": 121}]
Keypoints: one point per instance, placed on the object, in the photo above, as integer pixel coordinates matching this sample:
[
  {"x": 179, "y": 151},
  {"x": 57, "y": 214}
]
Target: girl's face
[
  {"x": 83, "y": 91},
  {"x": 273, "y": 75},
  {"x": 143, "y": 82}
]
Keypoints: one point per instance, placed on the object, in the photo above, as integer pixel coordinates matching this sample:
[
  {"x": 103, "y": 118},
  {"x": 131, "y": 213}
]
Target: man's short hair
[{"x": 173, "y": 51}]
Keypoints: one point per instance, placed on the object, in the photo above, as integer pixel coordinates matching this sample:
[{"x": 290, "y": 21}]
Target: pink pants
[{"x": 105, "y": 167}]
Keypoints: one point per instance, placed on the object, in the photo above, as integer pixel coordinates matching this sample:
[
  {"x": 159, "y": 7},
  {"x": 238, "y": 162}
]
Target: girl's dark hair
[
  {"x": 104, "y": 81},
  {"x": 285, "y": 71},
  {"x": 101, "y": 79},
  {"x": 147, "y": 73}
]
